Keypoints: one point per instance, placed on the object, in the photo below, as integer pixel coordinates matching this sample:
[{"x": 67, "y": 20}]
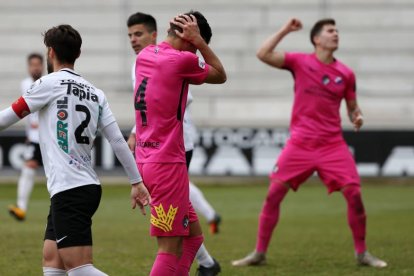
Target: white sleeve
[
  {"x": 38, "y": 95},
  {"x": 7, "y": 118},
  {"x": 33, "y": 118},
  {"x": 106, "y": 117},
  {"x": 134, "y": 129},
  {"x": 114, "y": 136}
]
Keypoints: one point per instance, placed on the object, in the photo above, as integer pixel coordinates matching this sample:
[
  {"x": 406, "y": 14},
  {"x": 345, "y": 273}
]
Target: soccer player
[
  {"x": 163, "y": 73},
  {"x": 33, "y": 157},
  {"x": 71, "y": 110},
  {"x": 316, "y": 143},
  {"x": 142, "y": 31}
]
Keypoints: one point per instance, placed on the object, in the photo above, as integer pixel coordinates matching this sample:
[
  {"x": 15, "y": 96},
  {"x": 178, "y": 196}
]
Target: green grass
[{"x": 312, "y": 237}]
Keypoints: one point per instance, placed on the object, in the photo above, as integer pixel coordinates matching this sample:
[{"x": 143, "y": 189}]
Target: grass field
[{"x": 312, "y": 237}]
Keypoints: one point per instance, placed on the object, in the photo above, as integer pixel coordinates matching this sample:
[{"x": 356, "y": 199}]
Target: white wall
[{"x": 376, "y": 41}]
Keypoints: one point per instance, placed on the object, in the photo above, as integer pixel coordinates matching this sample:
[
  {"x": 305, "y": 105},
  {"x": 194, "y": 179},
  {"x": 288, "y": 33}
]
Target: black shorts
[
  {"x": 188, "y": 157},
  {"x": 70, "y": 217},
  {"x": 33, "y": 153}
]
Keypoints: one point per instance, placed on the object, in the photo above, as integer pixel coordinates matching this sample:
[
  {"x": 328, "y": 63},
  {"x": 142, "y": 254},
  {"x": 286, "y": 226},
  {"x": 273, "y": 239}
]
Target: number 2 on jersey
[
  {"x": 140, "y": 103},
  {"x": 84, "y": 124}
]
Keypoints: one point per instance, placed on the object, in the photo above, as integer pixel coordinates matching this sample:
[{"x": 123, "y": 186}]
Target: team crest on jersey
[
  {"x": 325, "y": 80},
  {"x": 201, "y": 63},
  {"x": 338, "y": 80},
  {"x": 164, "y": 220}
]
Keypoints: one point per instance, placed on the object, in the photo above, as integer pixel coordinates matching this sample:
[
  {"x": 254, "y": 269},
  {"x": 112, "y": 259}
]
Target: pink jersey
[
  {"x": 319, "y": 90},
  {"x": 161, "y": 87}
]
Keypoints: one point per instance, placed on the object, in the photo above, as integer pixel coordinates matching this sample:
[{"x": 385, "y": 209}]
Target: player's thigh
[
  {"x": 169, "y": 190},
  {"x": 294, "y": 165},
  {"x": 72, "y": 212},
  {"x": 336, "y": 167}
]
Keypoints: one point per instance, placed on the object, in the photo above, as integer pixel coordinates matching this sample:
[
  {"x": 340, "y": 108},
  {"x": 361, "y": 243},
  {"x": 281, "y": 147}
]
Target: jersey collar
[{"x": 70, "y": 71}]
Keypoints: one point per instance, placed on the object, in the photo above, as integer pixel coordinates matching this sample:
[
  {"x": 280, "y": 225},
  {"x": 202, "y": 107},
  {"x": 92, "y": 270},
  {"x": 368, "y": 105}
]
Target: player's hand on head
[
  {"x": 140, "y": 197},
  {"x": 188, "y": 24},
  {"x": 293, "y": 25}
]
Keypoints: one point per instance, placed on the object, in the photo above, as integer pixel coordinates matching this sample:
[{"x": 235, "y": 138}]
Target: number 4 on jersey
[{"x": 140, "y": 103}]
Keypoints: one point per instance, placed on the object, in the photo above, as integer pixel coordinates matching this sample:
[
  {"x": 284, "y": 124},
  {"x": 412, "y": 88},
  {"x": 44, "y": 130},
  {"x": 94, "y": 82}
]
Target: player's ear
[{"x": 154, "y": 36}]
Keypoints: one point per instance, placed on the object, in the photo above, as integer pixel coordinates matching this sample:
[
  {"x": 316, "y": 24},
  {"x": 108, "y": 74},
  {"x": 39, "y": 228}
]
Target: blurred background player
[
  {"x": 316, "y": 142},
  {"x": 32, "y": 156},
  {"x": 142, "y": 31},
  {"x": 71, "y": 112},
  {"x": 163, "y": 74}
]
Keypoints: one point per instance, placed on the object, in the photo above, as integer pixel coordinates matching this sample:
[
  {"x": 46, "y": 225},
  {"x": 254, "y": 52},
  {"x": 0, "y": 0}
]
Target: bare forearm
[
  {"x": 270, "y": 44},
  {"x": 353, "y": 111}
]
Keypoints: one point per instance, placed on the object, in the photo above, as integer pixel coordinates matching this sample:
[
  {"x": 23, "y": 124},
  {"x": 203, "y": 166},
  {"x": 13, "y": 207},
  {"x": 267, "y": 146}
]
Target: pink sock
[
  {"x": 356, "y": 216},
  {"x": 165, "y": 264},
  {"x": 190, "y": 248},
  {"x": 270, "y": 215}
]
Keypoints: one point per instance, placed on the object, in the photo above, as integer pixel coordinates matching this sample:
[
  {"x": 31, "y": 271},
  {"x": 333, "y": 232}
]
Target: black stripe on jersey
[
  {"x": 179, "y": 115},
  {"x": 70, "y": 72}
]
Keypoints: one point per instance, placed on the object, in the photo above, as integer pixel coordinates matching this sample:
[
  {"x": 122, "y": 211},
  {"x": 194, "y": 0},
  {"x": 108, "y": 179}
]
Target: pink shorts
[
  {"x": 171, "y": 210},
  {"x": 333, "y": 162}
]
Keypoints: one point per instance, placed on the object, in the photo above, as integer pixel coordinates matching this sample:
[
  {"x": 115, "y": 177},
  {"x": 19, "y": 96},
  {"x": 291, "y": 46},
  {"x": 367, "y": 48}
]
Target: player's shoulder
[
  {"x": 298, "y": 55},
  {"x": 345, "y": 69}
]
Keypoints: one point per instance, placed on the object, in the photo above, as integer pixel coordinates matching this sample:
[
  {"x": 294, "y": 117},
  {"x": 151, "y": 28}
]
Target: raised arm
[
  {"x": 355, "y": 114},
  {"x": 267, "y": 53},
  {"x": 191, "y": 33}
]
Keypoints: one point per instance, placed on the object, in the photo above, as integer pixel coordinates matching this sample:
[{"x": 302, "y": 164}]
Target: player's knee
[
  {"x": 277, "y": 189},
  {"x": 352, "y": 194},
  {"x": 50, "y": 257}
]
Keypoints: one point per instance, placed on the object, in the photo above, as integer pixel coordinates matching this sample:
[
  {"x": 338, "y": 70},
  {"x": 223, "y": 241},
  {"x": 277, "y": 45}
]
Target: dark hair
[
  {"x": 65, "y": 41},
  {"x": 205, "y": 29},
  {"x": 317, "y": 28},
  {"x": 142, "y": 18},
  {"x": 34, "y": 55}
]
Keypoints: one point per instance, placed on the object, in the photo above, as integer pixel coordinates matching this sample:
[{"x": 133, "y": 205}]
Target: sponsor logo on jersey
[
  {"x": 148, "y": 144},
  {"x": 164, "y": 220},
  {"x": 61, "y": 126},
  {"x": 80, "y": 90},
  {"x": 62, "y": 114}
]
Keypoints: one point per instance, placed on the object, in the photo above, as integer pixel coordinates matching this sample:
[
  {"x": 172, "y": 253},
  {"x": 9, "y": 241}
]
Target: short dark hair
[
  {"x": 65, "y": 41},
  {"x": 317, "y": 28},
  {"x": 142, "y": 18},
  {"x": 34, "y": 55},
  {"x": 205, "y": 29}
]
